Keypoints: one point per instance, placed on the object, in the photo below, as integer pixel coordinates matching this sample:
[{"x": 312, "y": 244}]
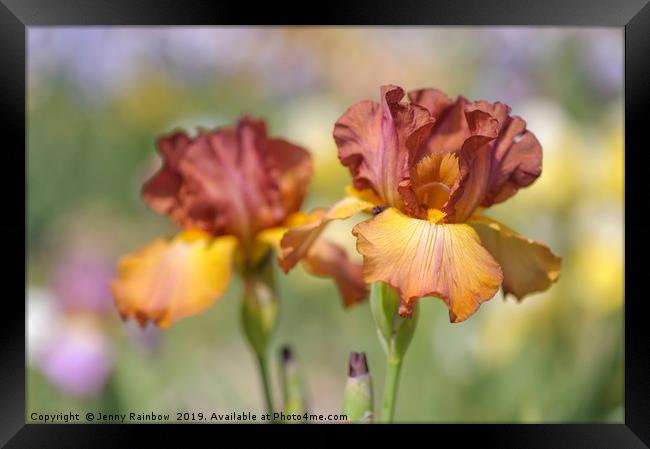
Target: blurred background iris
[{"x": 98, "y": 97}]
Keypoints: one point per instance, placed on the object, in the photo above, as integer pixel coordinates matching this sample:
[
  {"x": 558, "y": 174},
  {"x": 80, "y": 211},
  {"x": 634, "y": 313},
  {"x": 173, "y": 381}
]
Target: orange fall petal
[
  {"x": 171, "y": 279},
  {"x": 528, "y": 266},
  {"x": 420, "y": 258}
]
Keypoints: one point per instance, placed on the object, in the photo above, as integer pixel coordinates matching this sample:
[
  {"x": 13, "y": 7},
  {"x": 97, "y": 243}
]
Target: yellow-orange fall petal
[
  {"x": 420, "y": 258},
  {"x": 328, "y": 260},
  {"x": 324, "y": 259},
  {"x": 297, "y": 241},
  {"x": 365, "y": 194},
  {"x": 171, "y": 279},
  {"x": 528, "y": 266}
]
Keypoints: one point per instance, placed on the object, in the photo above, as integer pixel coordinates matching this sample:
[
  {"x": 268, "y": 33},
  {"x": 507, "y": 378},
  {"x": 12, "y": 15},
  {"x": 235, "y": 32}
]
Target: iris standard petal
[
  {"x": 161, "y": 191},
  {"x": 227, "y": 182},
  {"x": 497, "y": 154},
  {"x": 475, "y": 167},
  {"x": 294, "y": 171},
  {"x": 171, "y": 279},
  {"x": 528, "y": 266},
  {"x": 374, "y": 139},
  {"x": 450, "y": 129},
  {"x": 233, "y": 180},
  {"x": 517, "y": 161},
  {"x": 421, "y": 258}
]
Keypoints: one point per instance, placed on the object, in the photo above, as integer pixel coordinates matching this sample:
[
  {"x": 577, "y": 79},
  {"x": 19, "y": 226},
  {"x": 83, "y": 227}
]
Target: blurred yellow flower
[
  {"x": 615, "y": 152},
  {"x": 149, "y": 101},
  {"x": 497, "y": 343},
  {"x": 599, "y": 276}
]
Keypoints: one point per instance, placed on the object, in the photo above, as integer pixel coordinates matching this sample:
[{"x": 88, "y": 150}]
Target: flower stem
[
  {"x": 266, "y": 384},
  {"x": 259, "y": 316},
  {"x": 393, "y": 366},
  {"x": 395, "y": 333}
]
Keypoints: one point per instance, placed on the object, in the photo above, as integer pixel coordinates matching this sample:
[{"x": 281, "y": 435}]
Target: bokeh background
[{"x": 98, "y": 97}]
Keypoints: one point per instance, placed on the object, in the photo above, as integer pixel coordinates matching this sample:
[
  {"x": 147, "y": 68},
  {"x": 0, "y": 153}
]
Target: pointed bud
[
  {"x": 358, "y": 401},
  {"x": 293, "y": 387},
  {"x": 287, "y": 355},
  {"x": 358, "y": 364}
]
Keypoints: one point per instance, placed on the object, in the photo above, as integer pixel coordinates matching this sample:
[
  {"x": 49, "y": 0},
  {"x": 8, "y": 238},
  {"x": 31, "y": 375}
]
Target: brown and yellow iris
[
  {"x": 233, "y": 191},
  {"x": 425, "y": 169}
]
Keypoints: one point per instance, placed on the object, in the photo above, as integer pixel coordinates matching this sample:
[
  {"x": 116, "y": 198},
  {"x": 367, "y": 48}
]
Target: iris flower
[
  {"x": 425, "y": 169},
  {"x": 232, "y": 191}
]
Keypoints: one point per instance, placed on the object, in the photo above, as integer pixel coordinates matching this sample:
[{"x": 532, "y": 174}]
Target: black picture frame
[{"x": 634, "y": 15}]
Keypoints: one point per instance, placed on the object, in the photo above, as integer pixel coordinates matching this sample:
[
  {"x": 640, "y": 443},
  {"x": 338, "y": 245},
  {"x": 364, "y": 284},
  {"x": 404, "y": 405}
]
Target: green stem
[
  {"x": 395, "y": 333},
  {"x": 266, "y": 384},
  {"x": 259, "y": 316},
  {"x": 393, "y": 366}
]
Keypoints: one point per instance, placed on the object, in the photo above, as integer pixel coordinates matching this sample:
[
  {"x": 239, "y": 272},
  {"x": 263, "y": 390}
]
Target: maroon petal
[
  {"x": 497, "y": 156},
  {"x": 161, "y": 191},
  {"x": 475, "y": 165},
  {"x": 293, "y": 171},
  {"x": 517, "y": 161},
  {"x": 494, "y": 170},
  {"x": 374, "y": 140},
  {"x": 450, "y": 129},
  {"x": 233, "y": 180}
]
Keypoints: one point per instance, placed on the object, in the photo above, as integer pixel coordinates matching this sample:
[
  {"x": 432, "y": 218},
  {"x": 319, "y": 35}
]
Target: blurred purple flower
[
  {"x": 81, "y": 280},
  {"x": 78, "y": 359},
  {"x": 205, "y": 51},
  {"x": 603, "y": 61},
  {"x": 521, "y": 49},
  {"x": 98, "y": 62},
  {"x": 510, "y": 59}
]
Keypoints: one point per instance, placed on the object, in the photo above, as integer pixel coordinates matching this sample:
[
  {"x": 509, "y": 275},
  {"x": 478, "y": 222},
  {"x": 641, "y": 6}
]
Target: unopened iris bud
[
  {"x": 294, "y": 391},
  {"x": 358, "y": 401}
]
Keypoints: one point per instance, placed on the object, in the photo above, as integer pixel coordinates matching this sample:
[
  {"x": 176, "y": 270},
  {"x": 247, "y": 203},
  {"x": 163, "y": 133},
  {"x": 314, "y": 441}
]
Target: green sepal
[
  {"x": 358, "y": 402},
  {"x": 259, "y": 308},
  {"x": 358, "y": 399},
  {"x": 395, "y": 332}
]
